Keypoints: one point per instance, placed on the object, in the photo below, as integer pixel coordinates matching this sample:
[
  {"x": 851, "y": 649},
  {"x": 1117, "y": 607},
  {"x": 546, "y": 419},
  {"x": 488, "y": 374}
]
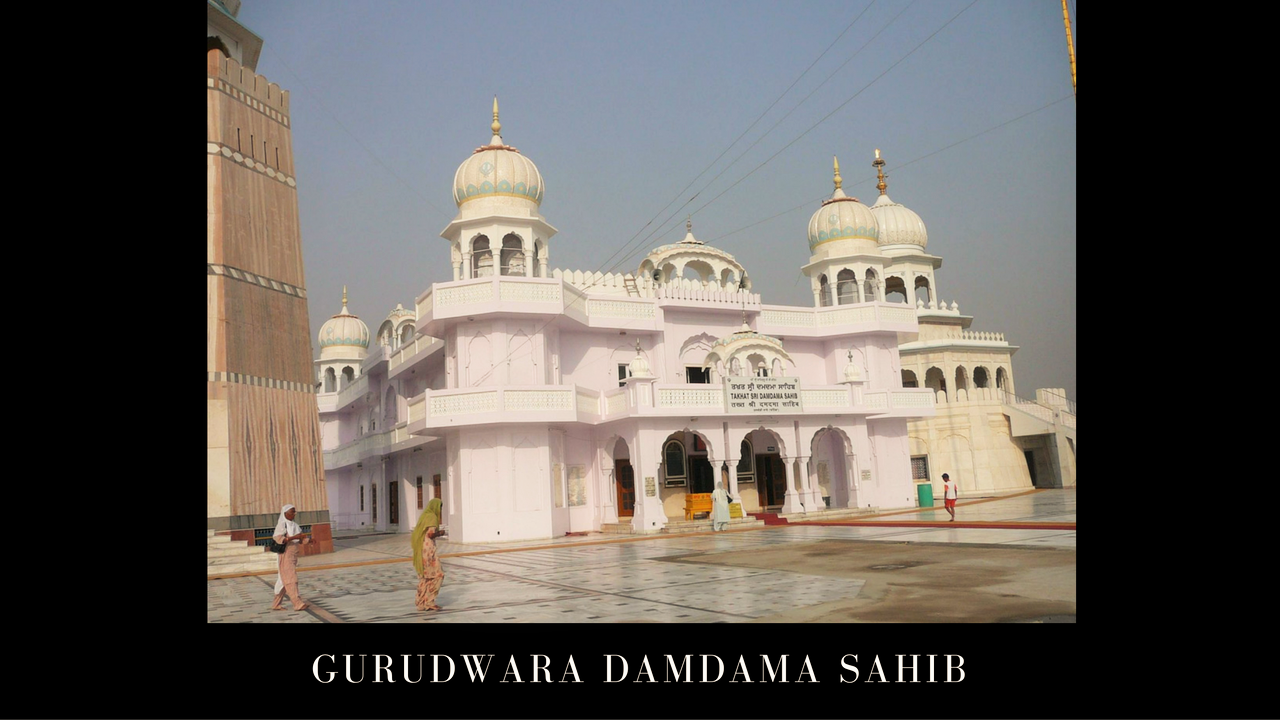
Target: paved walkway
[{"x": 696, "y": 577}]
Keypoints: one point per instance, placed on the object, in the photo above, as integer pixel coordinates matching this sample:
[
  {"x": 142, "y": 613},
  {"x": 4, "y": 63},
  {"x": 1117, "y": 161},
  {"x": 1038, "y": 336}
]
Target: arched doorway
[
  {"x": 624, "y": 480},
  {"x": 770, "y": 470},
  {"x": 685, "y": 456}
]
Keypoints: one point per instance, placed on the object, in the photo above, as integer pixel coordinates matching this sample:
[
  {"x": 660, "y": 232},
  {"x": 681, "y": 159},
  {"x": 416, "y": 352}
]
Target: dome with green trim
[
  {"x": 343, "y": 335},
  {"x": 842, "y": 218},
  {"x": 497, "y": 170}
]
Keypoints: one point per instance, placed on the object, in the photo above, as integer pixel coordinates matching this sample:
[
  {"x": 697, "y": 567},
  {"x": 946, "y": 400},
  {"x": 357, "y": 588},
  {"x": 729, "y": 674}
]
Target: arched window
[
  {"x": 735, "y": 367},
  {"x": 512, "y": 255},
  {"x": 922, "y": 289},
  {"x": 909, "y": 379},
  {"x": 869, "y": 287},
  {"x": 895, "y": 290},
  {"x": 389, "y": 406},
  {"x": 348, "y": 376},
  {"x": 673, "y": 454},
  {"x": 962, "y": 379},
  {"x": 540, "y": 256},
  {"x": 406, "y": 333},
  {"x": 980, "y": 378},
  {"x": 746, "y": 464},
  {"x": 1002, "y": 380},
  {"x": 935, "y": 380},
  {"x": 776, "y": 370},
  {"x": 481, "y": 257},
  {"x": 330, "y": 380},
  {"x": 824, "y": 292},
  {"x": 847, "y": 287}
]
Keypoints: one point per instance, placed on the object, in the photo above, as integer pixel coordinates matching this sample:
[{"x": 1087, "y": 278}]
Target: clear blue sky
[{"x": 622, "y": 104}]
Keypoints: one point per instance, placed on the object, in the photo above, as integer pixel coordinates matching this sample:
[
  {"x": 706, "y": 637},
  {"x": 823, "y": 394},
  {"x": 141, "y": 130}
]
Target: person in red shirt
[{"x": 949, "y": 495}]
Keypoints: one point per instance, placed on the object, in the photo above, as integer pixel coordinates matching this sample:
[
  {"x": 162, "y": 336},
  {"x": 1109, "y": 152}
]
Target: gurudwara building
[{"x": 537, "y": 402}]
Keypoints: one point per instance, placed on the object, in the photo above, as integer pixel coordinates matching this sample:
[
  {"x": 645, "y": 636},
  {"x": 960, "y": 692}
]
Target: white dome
[
  {"x": 343, "y": 335},
  {"x": 841, "y": 218},
  {"x": 898, "y": 224},
  {"x": 498, "y": 170}
]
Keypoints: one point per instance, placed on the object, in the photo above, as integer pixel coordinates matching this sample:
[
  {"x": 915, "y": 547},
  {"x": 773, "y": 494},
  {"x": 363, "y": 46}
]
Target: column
[
  {"x": 791, "y": 502},
  {"x": 813, "y": 491},
  {"x": 466, "y": 264},
  {"x": 529, "y": 258}
]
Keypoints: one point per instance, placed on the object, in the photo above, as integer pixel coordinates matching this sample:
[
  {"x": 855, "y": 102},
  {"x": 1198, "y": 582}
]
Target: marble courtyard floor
[{"x": 1009, "y": 559}]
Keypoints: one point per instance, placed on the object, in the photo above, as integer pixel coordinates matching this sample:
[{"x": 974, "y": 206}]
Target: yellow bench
[{"x": 695, "y": 503}]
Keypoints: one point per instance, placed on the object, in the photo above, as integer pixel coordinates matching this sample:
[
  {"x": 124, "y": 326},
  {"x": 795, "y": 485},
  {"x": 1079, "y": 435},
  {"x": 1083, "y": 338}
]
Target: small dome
[
  {"x": 497, "y": 170},
  {"x": 898, "y": 224},
  {"x": 640, "y": 366},
  {"x": 841, "y": 218},
  {"x": 343, "y": 334},
  {"x": 715, "y": 266}
]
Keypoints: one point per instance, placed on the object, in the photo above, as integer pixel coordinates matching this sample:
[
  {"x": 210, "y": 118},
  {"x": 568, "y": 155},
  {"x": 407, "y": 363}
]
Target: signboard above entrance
[{"x": 750, "y": 395}]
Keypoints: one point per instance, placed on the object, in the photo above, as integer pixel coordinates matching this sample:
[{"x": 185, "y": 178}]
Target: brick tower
[{"x": 263, "y": 427}]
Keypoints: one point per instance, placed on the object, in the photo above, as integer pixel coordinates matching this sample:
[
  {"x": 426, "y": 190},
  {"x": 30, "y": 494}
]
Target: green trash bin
[{"x": 924, "y": 493}]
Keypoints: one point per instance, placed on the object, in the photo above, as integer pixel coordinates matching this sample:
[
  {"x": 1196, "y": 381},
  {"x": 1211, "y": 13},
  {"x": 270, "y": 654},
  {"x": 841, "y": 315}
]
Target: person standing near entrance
[
  {"x": 719, "y": 508},
  {"x": 289, "y": 534},
  {"x": 949, "y": 495},
  {"x": 430, "y": 574}
]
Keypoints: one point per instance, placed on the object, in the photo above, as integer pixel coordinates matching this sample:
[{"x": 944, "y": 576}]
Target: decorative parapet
[
  {"x": 410, "y": 350},
  {"x": 690, "y": 291},
  {"x": 526, "y": 292},
  {"x": 687, "y": 397},
  {"x": 227, "y": 75},
  {"x": 615, "y": 401},
  {"x": 786, "y": 320},
  {"x": 371, "y": 446},
  {"x": 639, "y": 309},
  {"x": 476, "y": 292},
  {"x": 826, "y": 398},
  {"x": 353, "y": 392},
  {"x": 588, "y": 401}
]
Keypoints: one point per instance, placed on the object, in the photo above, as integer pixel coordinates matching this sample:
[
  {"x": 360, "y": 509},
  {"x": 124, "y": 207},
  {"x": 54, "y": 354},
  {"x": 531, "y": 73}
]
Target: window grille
[{"x": 920, "y": 468}]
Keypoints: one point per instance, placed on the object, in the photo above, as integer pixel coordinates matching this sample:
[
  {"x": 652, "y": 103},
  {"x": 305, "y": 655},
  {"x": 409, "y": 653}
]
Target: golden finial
[
  {"x": 344, "y": 296},
  {"x": 878, "y": 164},
  {"x": 688, "y": 223},
  {"x": 839, "y": 180},
  {"x": 497, "y": 126}
]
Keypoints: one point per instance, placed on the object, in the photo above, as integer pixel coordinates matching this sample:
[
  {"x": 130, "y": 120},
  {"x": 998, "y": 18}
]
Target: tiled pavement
[{"x": 606, "y": 579}]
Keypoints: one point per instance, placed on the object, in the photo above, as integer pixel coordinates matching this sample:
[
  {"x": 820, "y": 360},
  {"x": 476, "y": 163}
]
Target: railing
[
  {"x": 824, "y": 317},
  {"x": 954, "y": 334},
  {"x": 367, "y": 446},
  {"x": 350, "y": 393},
  {"x": 407, "y": 351},
  {"x": 1029, "y": 407},
  {"x": 825, "y": 397},
  {"x": 615, "y": 401}
]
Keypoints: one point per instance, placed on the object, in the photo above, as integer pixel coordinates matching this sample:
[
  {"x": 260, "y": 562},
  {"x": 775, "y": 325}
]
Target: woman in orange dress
[
  {"x": 430, "y": 573},
  {"x": 289, "y": 534}
]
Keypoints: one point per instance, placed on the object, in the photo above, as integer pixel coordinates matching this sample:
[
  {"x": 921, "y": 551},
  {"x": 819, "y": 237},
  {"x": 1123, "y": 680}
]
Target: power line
[
  {"x": 735, "y": 141},
  {"x": 316, "y": 96},
  {"x": 809, "y": 203}
]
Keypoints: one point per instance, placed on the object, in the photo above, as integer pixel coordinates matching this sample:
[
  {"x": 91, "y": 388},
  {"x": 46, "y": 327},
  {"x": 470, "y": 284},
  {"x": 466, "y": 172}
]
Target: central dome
[
  {"x": 842, "y": 218},
  {"x": 497, "y": 170}
]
